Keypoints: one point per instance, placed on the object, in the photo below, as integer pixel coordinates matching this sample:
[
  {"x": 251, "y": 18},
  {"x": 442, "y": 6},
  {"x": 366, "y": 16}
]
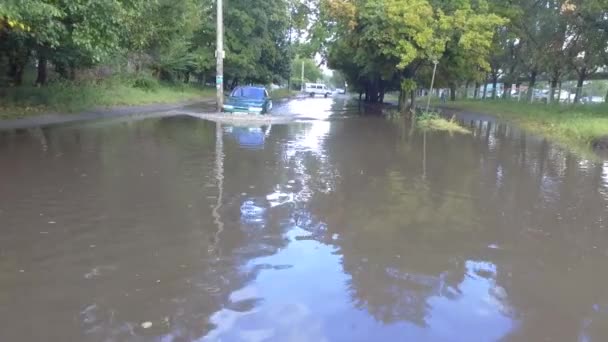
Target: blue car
[{"x": 248, "y": 99}]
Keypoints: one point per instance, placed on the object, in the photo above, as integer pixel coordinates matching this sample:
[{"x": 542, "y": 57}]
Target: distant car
[
  {"x": 313, "y": 89},
  {"x": 340, "y": 91},
  {"x": 248, "y": 99}
]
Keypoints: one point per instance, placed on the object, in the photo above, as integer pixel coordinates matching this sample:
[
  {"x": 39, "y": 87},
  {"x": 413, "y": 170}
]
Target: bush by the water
[
  {"x": 146, "y": 83},
  {"x": 434, "y": 121}
]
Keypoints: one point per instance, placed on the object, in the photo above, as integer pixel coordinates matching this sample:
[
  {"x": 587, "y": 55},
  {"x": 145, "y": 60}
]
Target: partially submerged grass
[
  {"x": 71, "y": 97},
  {"x": 573, "y": 125},
  {"x": 433, "y": 121}
]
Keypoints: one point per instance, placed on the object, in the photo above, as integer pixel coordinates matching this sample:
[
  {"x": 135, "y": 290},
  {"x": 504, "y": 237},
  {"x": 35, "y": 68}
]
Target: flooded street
[{"x": 336, "y": 227}]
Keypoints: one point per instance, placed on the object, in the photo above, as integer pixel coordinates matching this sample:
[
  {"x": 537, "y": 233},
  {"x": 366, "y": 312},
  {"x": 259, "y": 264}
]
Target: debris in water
[
  {"x": 146, "y": 325},
  {"x": 52, "y": 222},
  {"x": 21, "y": 271}
]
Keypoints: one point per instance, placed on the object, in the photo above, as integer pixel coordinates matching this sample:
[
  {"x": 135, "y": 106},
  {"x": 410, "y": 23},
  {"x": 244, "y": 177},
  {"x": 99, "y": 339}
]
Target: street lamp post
[
  {"x": 428, "y": 102},
  {"x": 219, "y": 55},
  {"x": 302, "y": 85}
]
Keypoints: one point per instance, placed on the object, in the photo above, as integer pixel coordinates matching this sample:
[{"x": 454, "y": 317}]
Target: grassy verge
[
  {"x": 70, "y": 97},
  {"x": 575, "y": 126},
  {"x": 433, "y": 121},
  {"x": 282, "y": 93}
]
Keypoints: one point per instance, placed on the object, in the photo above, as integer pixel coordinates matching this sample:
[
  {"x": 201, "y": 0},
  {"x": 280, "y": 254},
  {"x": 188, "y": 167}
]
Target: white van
[{"x": 316, "y": 89}]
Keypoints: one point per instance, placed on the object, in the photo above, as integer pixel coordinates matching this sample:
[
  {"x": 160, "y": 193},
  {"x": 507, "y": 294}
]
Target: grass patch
[
  {"x": 70, "y": 97},
  {"x": 572, "y": 125},
  {"x": 282, "y": 93},
  {"x": 433, "y": 121}
]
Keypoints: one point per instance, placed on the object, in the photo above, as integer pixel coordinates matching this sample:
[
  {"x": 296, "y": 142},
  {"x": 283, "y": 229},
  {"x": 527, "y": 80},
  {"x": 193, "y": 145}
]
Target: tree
[{"x": 389, "y": 41}]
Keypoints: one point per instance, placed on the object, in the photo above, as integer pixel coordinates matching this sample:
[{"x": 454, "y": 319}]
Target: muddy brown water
[{"x": 341, "y": 227}]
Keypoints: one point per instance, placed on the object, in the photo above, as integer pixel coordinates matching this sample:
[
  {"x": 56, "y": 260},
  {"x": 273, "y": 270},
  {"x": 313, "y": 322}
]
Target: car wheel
[{"x": 312, "y": 94}]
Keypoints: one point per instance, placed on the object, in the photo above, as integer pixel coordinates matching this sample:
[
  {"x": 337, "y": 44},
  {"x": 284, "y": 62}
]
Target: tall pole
[
  {"x": 428, "y": 102},
  {"x": 219, "y": 55},
  {"x": 290, "y": 59}
]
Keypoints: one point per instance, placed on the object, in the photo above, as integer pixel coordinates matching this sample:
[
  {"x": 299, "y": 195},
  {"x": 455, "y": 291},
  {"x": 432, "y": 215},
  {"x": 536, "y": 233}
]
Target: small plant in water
[{"x": 434, "y": 121}]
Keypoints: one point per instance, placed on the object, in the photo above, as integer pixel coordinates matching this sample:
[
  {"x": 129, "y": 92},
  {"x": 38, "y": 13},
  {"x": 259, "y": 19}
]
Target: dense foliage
[
  {"x": 376, "y": 45},
  {"x": 168, "y": 39},
  {"x": 383, "y": 45}
]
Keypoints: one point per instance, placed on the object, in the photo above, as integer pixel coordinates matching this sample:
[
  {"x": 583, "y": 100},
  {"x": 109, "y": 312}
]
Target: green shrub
[{"x": 146, "y": 83}]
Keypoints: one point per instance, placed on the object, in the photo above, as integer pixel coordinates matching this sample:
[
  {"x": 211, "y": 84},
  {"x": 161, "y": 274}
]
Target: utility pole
[
  {"x": 428, "y": 102},
  {"x": 302, "y": 86},
  {"x": 289, "y": 54},
  {"x": 219, "y": 55}
]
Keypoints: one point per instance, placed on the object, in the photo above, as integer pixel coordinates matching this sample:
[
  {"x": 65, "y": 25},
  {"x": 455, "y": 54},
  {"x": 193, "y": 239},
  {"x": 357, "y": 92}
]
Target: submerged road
[{"x": 338, "y": 226}]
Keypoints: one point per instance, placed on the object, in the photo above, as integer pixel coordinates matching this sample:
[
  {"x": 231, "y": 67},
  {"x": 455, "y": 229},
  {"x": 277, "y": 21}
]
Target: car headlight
[
  {"x": 255, "y": 109},
  {"x": 228, "y": 106}
]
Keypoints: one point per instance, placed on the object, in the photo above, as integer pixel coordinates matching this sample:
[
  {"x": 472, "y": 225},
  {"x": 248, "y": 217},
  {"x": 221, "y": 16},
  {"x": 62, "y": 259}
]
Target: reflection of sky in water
[
  {"x": 318, "y": 108},
  {"x": 311, "y": 139},
  {"x": 296, "y": 303},
  {"x": 303, "y": 293},
  {"x": 604, "y": 189}
]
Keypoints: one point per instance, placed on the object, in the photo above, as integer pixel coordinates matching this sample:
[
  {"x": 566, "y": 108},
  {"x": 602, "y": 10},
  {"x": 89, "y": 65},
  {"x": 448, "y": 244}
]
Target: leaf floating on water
[{"x": 146, "y": 325}]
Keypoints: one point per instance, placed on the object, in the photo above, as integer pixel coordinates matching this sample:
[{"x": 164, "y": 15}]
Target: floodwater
[{"x": 340, "y": 227}]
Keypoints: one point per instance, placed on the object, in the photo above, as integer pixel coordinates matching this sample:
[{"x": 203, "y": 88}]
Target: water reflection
[{"x": 332, "y": 229}]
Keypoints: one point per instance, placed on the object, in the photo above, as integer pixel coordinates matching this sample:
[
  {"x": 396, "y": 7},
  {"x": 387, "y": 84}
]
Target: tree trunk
[
  {"x": 187, "y": 77},
  {"x": 531, "y": 85},
  {"x": 16, "y": 69},
  {"x": 41, "y": 78},
  {"x": 412, "y": 101},
  {"x": 485, "y": 88},
  {"x": 466, "y": 90},
  {"x": 372, "y": 94},
  {"x": 476, "y": 91},
  {"x": 506, "y": 92},
  {"x": 72, "y": 71},
  {"x": 582, "y": 75},
  {"x": 494, "y": 86},
  {"x": 554, "y": 81},
  {"x": 559, "y": 92},
  {"x": 452, "y": 92},
  {"x": 18, "y": 79},
  {"x": 235, "y": 82}
]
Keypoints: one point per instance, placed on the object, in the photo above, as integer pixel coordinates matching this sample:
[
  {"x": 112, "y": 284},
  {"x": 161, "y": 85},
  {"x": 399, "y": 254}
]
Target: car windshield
[{"x": 249, "y": 92}]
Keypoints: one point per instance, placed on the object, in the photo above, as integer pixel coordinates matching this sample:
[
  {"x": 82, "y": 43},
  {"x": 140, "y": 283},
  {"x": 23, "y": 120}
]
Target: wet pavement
[{"x": 337, "y": 227}]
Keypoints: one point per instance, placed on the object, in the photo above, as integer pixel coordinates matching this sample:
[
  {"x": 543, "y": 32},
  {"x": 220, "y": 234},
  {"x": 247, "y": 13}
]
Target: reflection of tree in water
[
  {"x": 164, "y": 271},
  {"x": 400, "y": 242},
  {"x": 549, "y": 212}
]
